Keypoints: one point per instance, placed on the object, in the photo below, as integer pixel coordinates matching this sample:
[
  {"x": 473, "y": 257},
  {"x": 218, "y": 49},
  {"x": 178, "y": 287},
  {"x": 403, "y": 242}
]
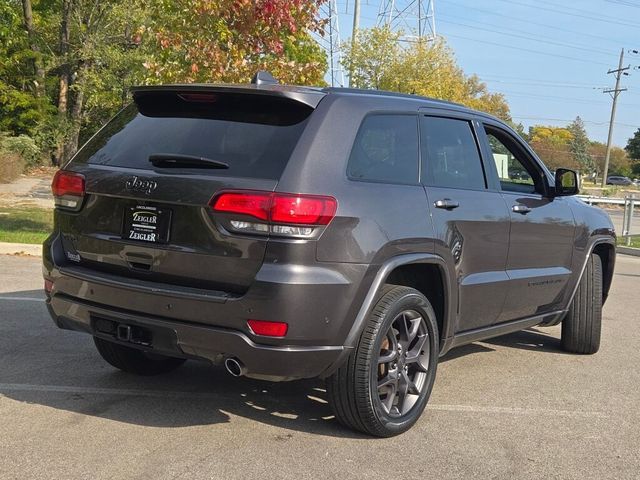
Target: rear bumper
[
  {"x": 179, "y": 339},
  {"x": 318, "y": 303}
]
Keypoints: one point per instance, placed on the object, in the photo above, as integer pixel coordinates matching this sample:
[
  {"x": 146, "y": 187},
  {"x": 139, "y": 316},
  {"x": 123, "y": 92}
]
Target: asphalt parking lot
[{"x": 512, "y": 407}]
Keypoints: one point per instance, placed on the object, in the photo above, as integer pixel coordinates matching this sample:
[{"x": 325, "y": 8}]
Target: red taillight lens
[
  {"x": 254, "y": 204},
  {"x": 268, "y": 329},
  {"x": 67, "y": 183},
  {"x": 281, "y": 208},
  {"x": 302, "y": 209}
]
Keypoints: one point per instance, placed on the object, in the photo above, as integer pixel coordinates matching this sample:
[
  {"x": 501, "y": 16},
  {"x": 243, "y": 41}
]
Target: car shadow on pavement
[
  {"x": 530, "y": 339},
  {"x": 62, "y": 370}
]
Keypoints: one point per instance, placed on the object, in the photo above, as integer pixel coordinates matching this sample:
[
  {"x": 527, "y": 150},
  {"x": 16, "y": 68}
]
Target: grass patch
[
  {"x": 25, "y": 224},
  {"x": 635, "y": 241}
]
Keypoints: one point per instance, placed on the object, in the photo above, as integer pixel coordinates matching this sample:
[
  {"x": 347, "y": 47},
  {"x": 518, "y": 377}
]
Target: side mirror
[{"x": 566, "y": 182}]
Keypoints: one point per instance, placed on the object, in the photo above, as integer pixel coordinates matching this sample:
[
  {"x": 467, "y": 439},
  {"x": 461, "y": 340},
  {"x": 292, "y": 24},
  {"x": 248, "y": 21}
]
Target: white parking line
[
  {"x": 25, "y": 299},
  {"x": 21, "y": 387},
  {"x": 538, "y": 412}
]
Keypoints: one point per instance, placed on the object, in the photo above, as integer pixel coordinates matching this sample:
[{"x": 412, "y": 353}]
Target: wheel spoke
[
  {"x": 388, "y": 356},
  {"x": 415, "y": 353},
  {"x": 390, "y": 399},
  {"x": 390, "y": 379},
  {"x": 415, "y": 327},
  {"x": 411, "y": 387},
  {"x": 403, "y": 328}
]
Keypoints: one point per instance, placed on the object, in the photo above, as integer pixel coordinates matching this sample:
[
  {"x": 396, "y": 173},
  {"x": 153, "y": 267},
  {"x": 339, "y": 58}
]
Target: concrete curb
[
  {"x": 628, "y": 251},
  {"x": 30, "y": 249}
]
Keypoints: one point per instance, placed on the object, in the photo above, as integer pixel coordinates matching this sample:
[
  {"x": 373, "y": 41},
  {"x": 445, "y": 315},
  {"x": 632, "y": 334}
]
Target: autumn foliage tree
[
  {"x": 378, "y": 60},
  {"x": 91, "y": 52},
  {"x": 229, "y": 40},
  {"x": 552, "y": 146}
]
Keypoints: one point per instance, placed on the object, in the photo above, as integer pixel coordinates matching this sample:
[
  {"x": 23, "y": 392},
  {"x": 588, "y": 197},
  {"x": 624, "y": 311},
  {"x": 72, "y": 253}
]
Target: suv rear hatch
[{"x": 151, "y": 172}]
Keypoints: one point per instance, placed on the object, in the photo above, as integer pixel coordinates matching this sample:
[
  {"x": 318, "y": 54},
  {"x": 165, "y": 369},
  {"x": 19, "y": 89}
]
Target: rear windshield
[{"x": 253, "y": 134}]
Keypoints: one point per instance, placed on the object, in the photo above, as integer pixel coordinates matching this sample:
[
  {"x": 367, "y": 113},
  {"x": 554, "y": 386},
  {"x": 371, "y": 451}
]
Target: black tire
[
  {"x": 133, "y": 360},
  {"x": 354, "y": 390},
  {"x": 581, "y": 327}
]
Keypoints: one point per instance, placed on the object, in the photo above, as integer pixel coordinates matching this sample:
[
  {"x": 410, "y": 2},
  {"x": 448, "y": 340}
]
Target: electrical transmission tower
[
  {"x": 331, "y": 42},
  {"x": 416, "y": 18}
]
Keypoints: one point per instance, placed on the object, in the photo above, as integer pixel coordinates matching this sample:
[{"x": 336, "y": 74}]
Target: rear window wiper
[{"x": 175, "y": 160}]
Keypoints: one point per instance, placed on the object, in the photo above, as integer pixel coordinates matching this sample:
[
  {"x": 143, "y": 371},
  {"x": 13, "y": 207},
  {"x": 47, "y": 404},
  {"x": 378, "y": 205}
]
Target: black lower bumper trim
[{"x": 174, "y": 338}]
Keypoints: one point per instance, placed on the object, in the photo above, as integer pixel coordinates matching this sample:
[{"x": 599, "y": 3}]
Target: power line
[
  {"x": 624, "y": 3},
  {"x": 540, "y": 84},
  {"x": 531, "y": 22},
  {"x": 585, "y": 101},
  {"x": 599, "y": 18},
  {"x": 592, "y": 122},
  {"x": 546, "y": 82},
  {"x": 591, "y": 62},
  {"x": 526, "y": 37}
]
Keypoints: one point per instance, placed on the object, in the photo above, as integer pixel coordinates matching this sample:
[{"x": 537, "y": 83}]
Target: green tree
[
  {"x": 619, "y": 161},
  {"x": 579, "y": 146},
  {"x": 633, "y": 146},
  {"x": 633, "y": 150},
  {"x": 22, "y": 108},
  {"x": 379, "y": 60}
]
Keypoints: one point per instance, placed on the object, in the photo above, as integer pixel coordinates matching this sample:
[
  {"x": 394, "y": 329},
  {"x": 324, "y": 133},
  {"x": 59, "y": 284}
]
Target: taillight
[
  {"x": 268, "y": 329},
  {"x": 68, "y": 189},
  {"x": 302, "y": 209},
  {"x": 252, "y": 204},
  {"x": 285, "y": 214}
]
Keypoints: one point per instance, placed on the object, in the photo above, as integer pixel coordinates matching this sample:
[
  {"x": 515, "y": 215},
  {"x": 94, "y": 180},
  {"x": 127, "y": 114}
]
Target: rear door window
[
  {"x": 386, "y": 150},
  {"x": 254, "y": 134},
  {"x": 450, "y": 155}
]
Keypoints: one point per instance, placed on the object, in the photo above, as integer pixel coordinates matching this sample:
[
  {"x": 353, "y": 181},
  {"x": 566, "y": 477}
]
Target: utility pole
[
  {"x": 354, "y": 36},
  {"x": 619, "y": 72}
]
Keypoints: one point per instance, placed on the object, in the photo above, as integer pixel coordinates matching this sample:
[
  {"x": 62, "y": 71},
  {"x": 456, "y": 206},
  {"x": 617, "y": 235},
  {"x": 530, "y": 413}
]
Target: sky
[{"x": 549, "y": 58}]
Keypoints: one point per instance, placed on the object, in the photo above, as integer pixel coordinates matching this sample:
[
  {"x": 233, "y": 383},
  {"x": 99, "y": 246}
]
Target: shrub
[
  {"x": 24, "y": 146},
  {"x": 11, "y": 166}
]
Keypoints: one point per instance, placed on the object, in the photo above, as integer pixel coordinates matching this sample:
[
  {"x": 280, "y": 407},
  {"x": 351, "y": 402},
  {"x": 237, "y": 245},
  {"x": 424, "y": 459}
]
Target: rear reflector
[
  {"x": 268, "y": 329},
  {"x": 67, "y": 183},
  {"x": 279, "y": 208},
  {"x": 48, "y": 286}
]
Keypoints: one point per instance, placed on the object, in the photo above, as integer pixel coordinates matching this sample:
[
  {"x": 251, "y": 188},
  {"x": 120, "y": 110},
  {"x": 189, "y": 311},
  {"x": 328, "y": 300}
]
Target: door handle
[
  {"x": 446, "y": 203},
  {"x": 523, "y": 209}
]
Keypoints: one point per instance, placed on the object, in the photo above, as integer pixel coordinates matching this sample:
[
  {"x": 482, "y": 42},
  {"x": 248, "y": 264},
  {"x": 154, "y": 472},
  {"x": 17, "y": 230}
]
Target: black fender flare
[
  {"x": 372, "y": 296},
  {"x": 606, "y": 240}
]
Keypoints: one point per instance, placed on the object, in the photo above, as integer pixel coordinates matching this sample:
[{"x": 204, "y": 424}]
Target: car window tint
[
  {"x": 450, "y": 155},
  {"x": 386, "y": 150},
  {"x": 514, "y": 174},
  {"x": 254, "y": 135}
]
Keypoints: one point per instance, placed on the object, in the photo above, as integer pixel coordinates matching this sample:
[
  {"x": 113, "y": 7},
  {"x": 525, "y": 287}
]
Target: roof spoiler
[{"x": 263, "y": 83}]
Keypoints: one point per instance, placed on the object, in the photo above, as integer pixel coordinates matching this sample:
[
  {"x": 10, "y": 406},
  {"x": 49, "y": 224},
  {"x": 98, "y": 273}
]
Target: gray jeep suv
[{"x": 293, "y": 232}]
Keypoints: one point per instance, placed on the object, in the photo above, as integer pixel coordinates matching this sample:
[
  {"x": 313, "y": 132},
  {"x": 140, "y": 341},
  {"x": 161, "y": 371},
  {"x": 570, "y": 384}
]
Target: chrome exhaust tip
[{"x": 235, "y": 367}]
